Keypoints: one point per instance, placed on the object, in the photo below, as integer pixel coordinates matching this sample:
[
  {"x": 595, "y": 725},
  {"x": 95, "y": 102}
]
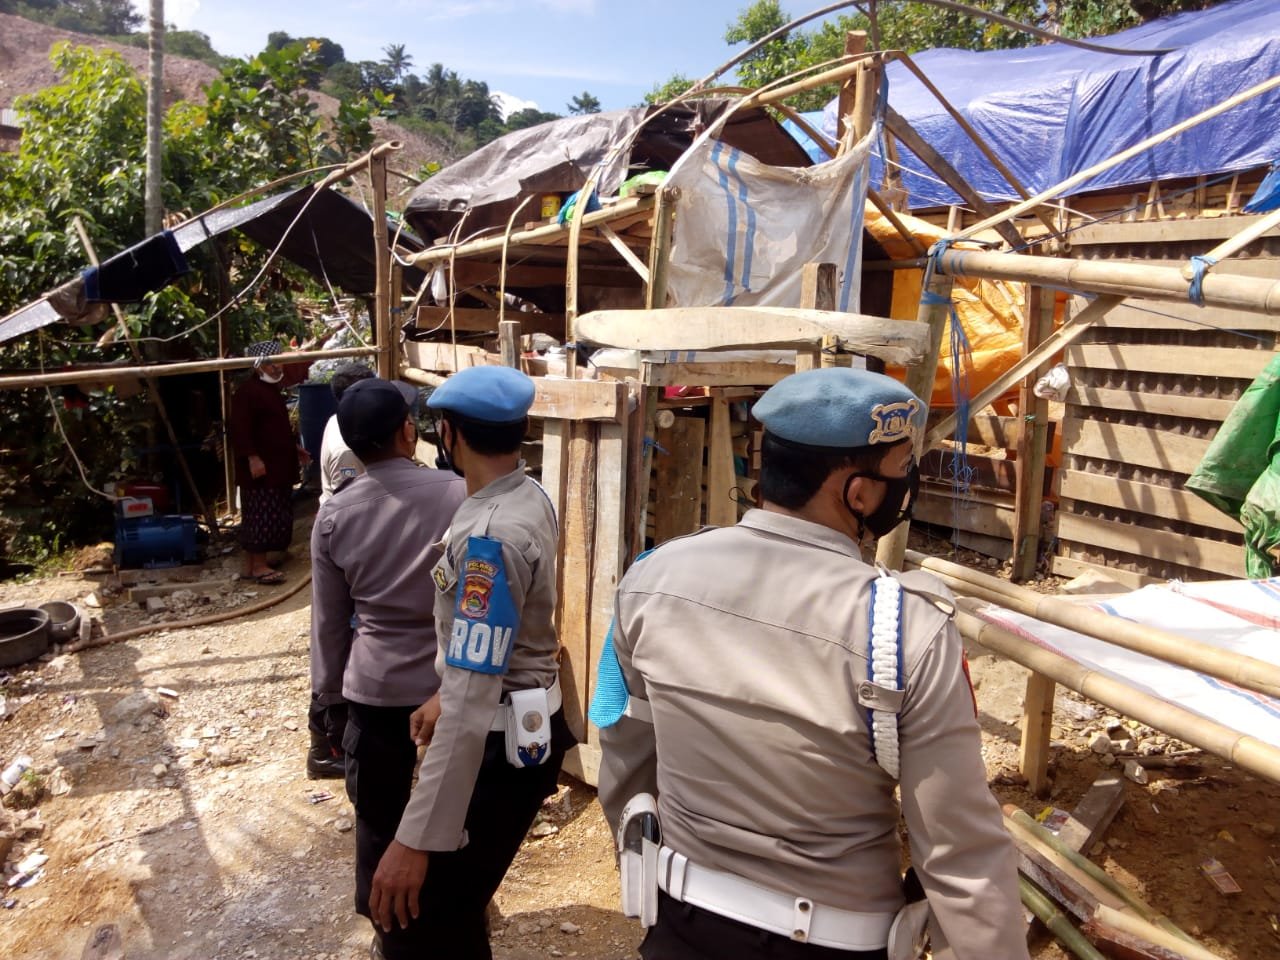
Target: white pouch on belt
[
  {"x": 639, "y": 839},
  {"x": 528, "y": 728}
]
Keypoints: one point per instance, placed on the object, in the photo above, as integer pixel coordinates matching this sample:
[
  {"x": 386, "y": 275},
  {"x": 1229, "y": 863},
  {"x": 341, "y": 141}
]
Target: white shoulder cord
[{"x": 883, "y": 665}]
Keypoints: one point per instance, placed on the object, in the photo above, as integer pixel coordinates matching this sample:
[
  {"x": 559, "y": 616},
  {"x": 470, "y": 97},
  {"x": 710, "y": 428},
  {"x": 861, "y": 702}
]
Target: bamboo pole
[
  {"x": 1136, "y": 927},
  {"x": 1050, "y": 345},
  {"x": 1234, "y": 747},
  {"x": 655, "y": 294},
  {"x": 935, "y": 310},
  {"x": 1088, "y": 867},
  {"x": 1233, "y": 245},
  {"x": 1115, "y": 160},
  {"x": 1035, "y": 900},
  {"x": 1253, "y": 294},
  {"x": 421, "y": 377},
  {"x": 1238, "y": 668},
  {"x": 114, "y": 374},
  {"x": 381, "y": 266}
]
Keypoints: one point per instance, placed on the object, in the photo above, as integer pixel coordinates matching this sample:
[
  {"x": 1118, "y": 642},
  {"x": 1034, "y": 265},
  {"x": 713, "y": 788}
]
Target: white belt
[
  {"x": 797, "y": 918},
  {"x": 554, "y": 701}
]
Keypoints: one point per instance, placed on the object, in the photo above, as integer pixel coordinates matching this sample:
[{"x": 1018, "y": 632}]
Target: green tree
[
  {"x": 671, "y": 88},
  {"x": 257, "y": 123},
  {"x": 529, "y": 117},
  {"x": 584, "y": 103},
  {"x": 397, "y": 60}
]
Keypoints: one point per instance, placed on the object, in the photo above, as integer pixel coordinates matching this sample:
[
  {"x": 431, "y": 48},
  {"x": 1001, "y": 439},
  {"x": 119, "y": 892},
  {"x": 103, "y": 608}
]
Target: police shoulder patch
[{"x": 485, "y": 620}]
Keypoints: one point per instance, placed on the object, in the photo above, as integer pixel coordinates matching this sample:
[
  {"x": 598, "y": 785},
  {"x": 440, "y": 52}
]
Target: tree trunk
[{"x": 154, "y": 206}]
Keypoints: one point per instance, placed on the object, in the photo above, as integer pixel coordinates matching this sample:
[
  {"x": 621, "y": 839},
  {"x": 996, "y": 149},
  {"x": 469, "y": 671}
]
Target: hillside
[{"x": 25, "y": 67}]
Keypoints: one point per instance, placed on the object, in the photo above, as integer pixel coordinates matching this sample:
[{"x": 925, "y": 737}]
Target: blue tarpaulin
[{"x": 1052, "y": 111}]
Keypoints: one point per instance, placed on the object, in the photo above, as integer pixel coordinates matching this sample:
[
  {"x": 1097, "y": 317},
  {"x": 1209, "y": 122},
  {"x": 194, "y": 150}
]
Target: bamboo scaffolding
[
  {"x": 1232, "y": 246},
  {"x": 1244, "y": 671},
  {"x": 1234, "y": 747}
]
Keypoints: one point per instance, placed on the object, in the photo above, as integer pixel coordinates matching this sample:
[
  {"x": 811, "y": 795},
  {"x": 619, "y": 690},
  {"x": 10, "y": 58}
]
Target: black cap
[{"x": 371, "y": 411}]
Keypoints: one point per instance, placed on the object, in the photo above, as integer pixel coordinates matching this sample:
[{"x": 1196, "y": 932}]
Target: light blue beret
[
  {"x": 489, "y": 394},
  {"x": 840, "y": 407}
]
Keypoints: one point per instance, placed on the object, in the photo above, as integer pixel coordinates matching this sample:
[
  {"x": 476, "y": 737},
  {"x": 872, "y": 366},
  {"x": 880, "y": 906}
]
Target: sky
[{"x": 544, "y": 51}]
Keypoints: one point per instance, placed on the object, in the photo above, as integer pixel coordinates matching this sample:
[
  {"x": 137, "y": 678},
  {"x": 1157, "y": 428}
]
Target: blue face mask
[{"x": 899, "y": 499}]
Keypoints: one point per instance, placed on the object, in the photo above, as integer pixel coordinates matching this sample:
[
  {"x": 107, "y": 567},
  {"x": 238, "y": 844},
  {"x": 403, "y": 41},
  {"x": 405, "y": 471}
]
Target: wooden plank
[
  {"x": 1224, "y": 558},
  {"x": 583, "y": 761},
  {"x": 555, "y": 438},
  {"x": 722, "y": 511},
  {"x": 1158, "y": 501},
  {"x": 678, "y": 479},
  {"x": 940, "y": 509},
  {"x": 1071, "y": 567},
  {"x": 1164, "y": 231},
  {"x": 1093, "y": 814},
  {"x": 445, "y": 357},
  {"x": 1157, "y": 404},
  {"x": 608, "y": 539},
  {"x": 723, "y": 328},
  {"x": 989, "y": 429},
  {"x": 577, "y": 532},
  {"x": 1037, "y": 723},
  {"x": 577, "y": 399},
  {"x": 475, "y": 320},
  {"x": 474, "y": 273},
  {"x": 1136, "y": 314},
  {"x": 1238, "y": 364},
  {"x": 715, "y": 374},
  {"x": 1132, "y": 445}
]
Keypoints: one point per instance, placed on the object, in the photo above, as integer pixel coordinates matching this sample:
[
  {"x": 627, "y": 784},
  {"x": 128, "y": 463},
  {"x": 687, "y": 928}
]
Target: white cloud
[{"x": 507, "y": 104}]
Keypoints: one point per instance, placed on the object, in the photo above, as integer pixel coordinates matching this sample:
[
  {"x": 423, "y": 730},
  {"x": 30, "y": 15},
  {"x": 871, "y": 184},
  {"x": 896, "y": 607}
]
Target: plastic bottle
[{"x": 13, "y": 773}]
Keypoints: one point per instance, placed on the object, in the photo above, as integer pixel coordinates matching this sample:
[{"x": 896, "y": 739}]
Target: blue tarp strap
[{"x": 1199, "y": 266}]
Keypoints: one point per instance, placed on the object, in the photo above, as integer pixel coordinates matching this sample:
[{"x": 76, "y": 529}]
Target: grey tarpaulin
[{"x": 333, "y": 240}]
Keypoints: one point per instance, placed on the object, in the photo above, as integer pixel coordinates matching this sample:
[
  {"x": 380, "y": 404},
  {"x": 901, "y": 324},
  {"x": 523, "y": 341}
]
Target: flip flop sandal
[{"x": 270, "y": 579}]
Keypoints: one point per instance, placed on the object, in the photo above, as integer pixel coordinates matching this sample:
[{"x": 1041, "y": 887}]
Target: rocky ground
[{"x": 168, "y": 796}]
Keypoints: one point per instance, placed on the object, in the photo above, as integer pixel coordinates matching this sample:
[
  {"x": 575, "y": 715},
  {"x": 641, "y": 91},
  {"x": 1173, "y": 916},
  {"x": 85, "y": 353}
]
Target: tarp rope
[{"x": 1199, "y": 267}]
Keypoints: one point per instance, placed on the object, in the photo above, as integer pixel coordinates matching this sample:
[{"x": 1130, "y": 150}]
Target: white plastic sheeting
[
  {"x": 744, "y": 230},
  {"x": 1240, "y": 616}
]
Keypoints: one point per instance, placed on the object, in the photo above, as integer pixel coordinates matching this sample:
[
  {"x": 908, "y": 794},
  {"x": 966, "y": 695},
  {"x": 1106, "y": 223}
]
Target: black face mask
[
  {"x": 899, "y": 499},
  {"x": 444, "y": 459}
]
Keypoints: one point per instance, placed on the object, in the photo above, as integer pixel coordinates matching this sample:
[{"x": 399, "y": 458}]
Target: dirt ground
[{"x": 184, "y": 817}]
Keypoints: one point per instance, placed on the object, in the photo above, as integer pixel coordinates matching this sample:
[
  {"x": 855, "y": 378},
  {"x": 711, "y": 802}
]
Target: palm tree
[{"x": 397, "y": 59}]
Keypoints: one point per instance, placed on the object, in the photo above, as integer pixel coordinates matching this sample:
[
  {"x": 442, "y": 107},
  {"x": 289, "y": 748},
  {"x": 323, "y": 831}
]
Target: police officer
[
  {"x": 495, "y": 731},
  {"x": 754, "y": 691},
  {"x": 371, "y": 557}
]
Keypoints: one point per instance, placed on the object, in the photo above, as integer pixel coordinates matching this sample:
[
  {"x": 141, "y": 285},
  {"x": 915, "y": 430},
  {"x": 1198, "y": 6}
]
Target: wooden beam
[
  {"x": 473, "y": 320},
  {"x": 1157, "y": 404},
  {"x": 655, "y": 292},
  {"x": 446, "y": 357},
  {"x": 1093, "y": 814},
  {"x": 577, "y": 535},
  {"x": 480, "y": 273},
  {"x": 1224, "y": 558},
  {"x": 723, "y": 328},
  {"x": 556, "y": 399},
  {"x": 624, "y": 251},
  {"x": 896, "y": 124},
  {"x": 1155, "y": 500},
  {"x": 934, "y": 313},
  {"x": 1166, "y": 231},
  {"x": 1184, "y": 316},
  {"x": 1032, "y": 439},
  {"x": 1037, "y": 723},
  {"x": 1234, "y": 362},
  {"x": 1069, "y": 566},
  {"x": 382, "y": 332},
  {"x": 1140, "y": 446},
  {"x": 722, "y": 509},
  {"x": 509, "y": 343},
  {"x": 678, "y": 481},
  {"x": 715, "y": 374},
  {"x": 1048, "y": 347}
]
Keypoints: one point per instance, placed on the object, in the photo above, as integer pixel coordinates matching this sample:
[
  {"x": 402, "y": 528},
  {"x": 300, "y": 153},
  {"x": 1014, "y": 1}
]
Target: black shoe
[{"x": 323, "y": 762}]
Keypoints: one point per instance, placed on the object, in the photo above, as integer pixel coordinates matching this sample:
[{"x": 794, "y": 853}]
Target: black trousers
[
  {"x": 460, "y": 883},
  {"x": 686, "y": 932}
]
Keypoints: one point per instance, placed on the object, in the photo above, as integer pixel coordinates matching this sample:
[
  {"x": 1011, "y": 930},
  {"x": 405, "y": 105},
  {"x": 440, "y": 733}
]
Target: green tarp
[{"x": 1240, "y": 472}]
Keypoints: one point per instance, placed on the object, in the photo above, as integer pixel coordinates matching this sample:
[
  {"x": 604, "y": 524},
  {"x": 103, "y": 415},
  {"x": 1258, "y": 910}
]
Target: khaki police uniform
[
  {"x": 373, "y": 642},
  {"x": 471, "y": 808},
  {"x": 749, "y": 644}
]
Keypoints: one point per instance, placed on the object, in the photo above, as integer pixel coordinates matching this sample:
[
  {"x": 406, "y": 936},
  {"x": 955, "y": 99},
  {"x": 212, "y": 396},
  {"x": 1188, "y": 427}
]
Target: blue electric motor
[{"x": 163, "y": 541}]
